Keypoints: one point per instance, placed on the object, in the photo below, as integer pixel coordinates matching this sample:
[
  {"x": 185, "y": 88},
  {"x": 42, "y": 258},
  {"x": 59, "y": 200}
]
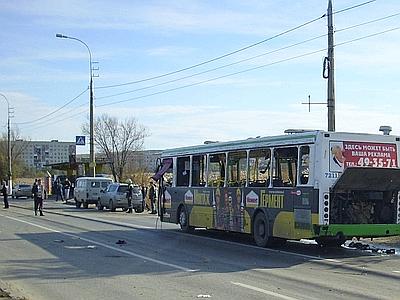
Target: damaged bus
[{"x": 327, "y": 186}]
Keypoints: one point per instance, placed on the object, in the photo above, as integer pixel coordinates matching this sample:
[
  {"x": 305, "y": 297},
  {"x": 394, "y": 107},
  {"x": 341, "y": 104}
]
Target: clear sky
[{"x": 138, "y": 40}]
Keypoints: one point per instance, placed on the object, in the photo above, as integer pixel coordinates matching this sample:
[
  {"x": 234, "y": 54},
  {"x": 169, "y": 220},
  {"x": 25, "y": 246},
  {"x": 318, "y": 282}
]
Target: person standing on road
[
  {"x": 67, "y": 187},
  {"x": 5, "y": 194},
  {"x": 152, "y": 197},
  {"x": 39, "y": 193},
  {"x": 59, "y": 192},
  {"x": 129, "y": 195}
]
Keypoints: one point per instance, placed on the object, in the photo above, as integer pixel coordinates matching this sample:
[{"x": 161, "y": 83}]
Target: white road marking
[
  {"x": 396, "y": 271},
  {"x": 104, "y": 245},
  {"x": 270, "y": 293}
]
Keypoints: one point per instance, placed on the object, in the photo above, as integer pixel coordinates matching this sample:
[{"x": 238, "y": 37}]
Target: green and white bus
[{"x": 327, "y": 186}]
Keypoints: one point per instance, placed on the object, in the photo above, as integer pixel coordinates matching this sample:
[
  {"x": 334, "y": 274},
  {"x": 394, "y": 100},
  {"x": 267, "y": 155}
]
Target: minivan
[{"x": 87, "y": 190}]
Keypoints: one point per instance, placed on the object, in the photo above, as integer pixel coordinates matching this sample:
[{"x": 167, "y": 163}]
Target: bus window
[
  {"x": 259, "y": 167},
  {"x": 304, "y": 168},
  {"x": 199, "y": 170},
  {"x": 216, "y": 169},
  {"x": 168, "y": 176},
  {"x": 237, "y": 169},
  {"x": 183, "y": 170},
  {"x": 285, "y": 167}
]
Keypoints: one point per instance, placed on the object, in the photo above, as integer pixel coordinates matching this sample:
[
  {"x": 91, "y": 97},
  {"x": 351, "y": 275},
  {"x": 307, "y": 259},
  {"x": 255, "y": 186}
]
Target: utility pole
[
  {"x": 92, "y": 164},
  {"x": 330, "y": 71},
  {"x": 9, "y": 111}
]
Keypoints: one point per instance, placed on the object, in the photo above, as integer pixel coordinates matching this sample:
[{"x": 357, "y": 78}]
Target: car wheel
[
  {"x": 99, "y": 206},
  {"x": 78, "y": 204}
]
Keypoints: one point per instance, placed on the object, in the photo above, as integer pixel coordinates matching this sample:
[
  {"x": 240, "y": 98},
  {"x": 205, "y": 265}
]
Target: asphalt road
[{"x": 74, "y": 254}]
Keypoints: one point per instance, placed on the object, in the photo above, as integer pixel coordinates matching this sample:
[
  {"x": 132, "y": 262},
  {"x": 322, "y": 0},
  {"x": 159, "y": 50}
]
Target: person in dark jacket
[
  {"x": 152, "y": 197},
  {"x": 39, "y": 193},
  {"x": 5, "y": 194}
]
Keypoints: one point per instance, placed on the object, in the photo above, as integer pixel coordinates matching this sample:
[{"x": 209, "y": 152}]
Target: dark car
[{"x": 22, "y": 190}]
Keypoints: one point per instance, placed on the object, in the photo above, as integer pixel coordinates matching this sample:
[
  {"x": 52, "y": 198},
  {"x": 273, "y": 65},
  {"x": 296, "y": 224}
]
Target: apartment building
[{"x": 36, "y": 154}]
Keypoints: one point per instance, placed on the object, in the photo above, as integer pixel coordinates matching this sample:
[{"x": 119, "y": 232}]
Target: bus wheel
[
  {"x": 184, "y": 220},
  {"x": 260, "y": 230}
]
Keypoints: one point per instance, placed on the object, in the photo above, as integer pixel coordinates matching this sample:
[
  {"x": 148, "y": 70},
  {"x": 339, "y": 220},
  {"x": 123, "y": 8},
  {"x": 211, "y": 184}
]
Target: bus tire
[
  {"x": 261, "y": 230},
  {"x": 184, "y": 220}
]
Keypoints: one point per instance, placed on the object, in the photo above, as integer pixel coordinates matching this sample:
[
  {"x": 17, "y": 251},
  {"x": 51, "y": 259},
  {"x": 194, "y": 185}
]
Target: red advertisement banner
[{"x": 360, "y": 154}]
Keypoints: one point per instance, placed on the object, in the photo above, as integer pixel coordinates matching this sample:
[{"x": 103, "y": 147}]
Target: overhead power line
[
  {"x": 53, "y": 112},
  {"x": 235, "y": 51},
  {"x": 247, "y": 70},
  {"x": 246, "y": 59}
]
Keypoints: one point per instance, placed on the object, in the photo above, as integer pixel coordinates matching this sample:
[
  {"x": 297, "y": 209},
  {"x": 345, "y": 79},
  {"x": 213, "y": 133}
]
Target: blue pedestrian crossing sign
[{"x": 80, "y": 140}]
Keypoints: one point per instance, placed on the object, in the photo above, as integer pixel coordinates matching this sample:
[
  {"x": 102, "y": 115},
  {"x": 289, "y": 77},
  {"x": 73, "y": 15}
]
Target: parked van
[{"x": 87, "y": 190}]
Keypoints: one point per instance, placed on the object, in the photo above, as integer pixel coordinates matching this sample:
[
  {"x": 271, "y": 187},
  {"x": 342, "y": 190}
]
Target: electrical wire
[
  {"x": 60, "y": 120},
  {"x": 213, "y": 69},
  {"x": 53, "y": 112},
  {"x": 248, "y": 59},
  {"x": 248, "y": 70},
  {"x": 235, "y": 51}
]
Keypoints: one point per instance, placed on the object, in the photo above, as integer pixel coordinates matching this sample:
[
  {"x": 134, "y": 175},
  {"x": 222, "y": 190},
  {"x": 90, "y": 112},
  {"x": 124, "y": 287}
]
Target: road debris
[
  {"x": 370, "y": 248},
  {"x": 121, "y": 242}
]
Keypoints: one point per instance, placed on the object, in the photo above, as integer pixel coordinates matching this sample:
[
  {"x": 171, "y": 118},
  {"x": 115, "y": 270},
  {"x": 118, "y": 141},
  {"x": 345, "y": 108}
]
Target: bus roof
[{"x": 300, "y": 137}]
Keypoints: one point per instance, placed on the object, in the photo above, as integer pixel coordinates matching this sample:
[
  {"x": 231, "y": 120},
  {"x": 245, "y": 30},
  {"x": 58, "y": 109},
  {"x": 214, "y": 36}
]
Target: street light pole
[
  {"x": 8, "y": 145},
  {"x": 92, "y": 164}
]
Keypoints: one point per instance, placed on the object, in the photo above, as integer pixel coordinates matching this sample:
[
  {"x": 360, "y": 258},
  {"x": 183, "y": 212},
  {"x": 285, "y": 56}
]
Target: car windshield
[
  {"x": 24, "y": 185},
  {"x": 112, "y": 188},
  {"x": 123, "y": 189}
]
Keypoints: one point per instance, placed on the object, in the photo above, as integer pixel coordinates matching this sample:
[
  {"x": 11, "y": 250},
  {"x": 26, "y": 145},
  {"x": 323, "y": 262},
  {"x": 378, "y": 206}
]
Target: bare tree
[
  {"x": 117, "y": 140},
  {"x": 18, "y": 146}
]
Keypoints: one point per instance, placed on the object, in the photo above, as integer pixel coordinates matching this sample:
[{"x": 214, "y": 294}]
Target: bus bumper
[{"x": 356, "y": 230}]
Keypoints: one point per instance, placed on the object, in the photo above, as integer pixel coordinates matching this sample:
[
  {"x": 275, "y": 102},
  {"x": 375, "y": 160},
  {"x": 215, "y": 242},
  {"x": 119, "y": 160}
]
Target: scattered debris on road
[
  {"x": 370, "y": 248},
  {"x": 121, "y": 242}
]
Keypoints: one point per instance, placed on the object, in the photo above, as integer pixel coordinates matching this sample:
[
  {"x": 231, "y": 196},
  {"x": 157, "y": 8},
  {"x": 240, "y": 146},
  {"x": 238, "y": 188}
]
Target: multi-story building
[{"x": 36, "y": 154}]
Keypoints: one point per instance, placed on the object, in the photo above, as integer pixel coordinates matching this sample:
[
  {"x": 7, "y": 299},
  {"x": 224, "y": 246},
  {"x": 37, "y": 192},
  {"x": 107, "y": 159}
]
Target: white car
[{"x": 115, "y": 196}]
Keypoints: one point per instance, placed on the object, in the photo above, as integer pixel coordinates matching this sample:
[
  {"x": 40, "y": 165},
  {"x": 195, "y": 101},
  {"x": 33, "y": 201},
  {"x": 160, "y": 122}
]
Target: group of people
[
  {"x": 152, "y": 197},
  {"x": 62, "y": 191},
  {"x": 39, "y": 193}
]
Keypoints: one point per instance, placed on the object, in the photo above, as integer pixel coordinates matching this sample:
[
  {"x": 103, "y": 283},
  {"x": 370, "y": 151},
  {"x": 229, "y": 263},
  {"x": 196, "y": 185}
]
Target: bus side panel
[{"x": 291, "y": 212}]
